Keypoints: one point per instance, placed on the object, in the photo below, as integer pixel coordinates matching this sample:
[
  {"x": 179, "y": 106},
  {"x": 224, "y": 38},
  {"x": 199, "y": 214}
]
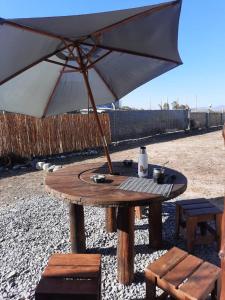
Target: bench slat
[
  {"x": 203, "y": 211},
  {"x": 181, "y": 271},
  {"x": 197, "y": 206},
  {"x": 74, "y": 259},
  {"x": 71, "y": 271},
  {"x": 166, "y": 262},
  {"x": 192, "y": 201},
  {"x": 199, "y": 284}
]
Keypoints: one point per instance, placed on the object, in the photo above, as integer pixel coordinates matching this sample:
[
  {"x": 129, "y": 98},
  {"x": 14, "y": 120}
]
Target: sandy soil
[{"x": 199, "y": 156}]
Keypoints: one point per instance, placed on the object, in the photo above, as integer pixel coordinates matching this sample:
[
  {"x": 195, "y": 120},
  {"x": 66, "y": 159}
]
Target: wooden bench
[
  {"x": 198, "y": 212},
  {"x": 182, "y": 276},
  {"x": 71, "y": 277}
]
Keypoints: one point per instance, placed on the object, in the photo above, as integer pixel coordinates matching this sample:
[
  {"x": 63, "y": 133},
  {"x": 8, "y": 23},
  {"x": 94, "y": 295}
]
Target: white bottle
[{"x": 143, "y": 163}]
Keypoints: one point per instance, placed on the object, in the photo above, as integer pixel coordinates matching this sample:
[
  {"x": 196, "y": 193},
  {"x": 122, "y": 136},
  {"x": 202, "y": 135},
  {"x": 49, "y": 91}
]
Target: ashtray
[
  {"x": 98, "y": 178},
  {"x": 128, "y": 162}
]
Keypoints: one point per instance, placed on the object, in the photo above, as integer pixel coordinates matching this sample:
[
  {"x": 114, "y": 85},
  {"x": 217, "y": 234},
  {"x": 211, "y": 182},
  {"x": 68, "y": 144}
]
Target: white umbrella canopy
[
  {"x": 121, "y": 50},
  {"x": 54, "y": 65}
]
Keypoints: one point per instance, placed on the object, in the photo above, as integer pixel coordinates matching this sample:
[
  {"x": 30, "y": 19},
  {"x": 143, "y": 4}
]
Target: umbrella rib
[
  {"x": 34, "y": 30},
  {"x": 61, "y": 64},
  {"x": 54, "y": 89},
  {"x": 100, "y": 58},
  {"x": 132, "y": 52},
  {"x": 31, "y": 65},
  {"x": 105, "y": 82},
  {"x": 102, "y": 78}
]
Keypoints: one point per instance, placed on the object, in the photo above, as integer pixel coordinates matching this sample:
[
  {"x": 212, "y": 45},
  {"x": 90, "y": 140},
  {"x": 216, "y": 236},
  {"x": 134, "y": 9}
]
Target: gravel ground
[
  {"x": 33, "y": 229},
  {"x": 34, "y": 225}
]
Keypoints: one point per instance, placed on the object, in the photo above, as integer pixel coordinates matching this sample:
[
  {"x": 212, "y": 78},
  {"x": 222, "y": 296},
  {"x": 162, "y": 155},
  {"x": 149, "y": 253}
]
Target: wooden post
[
  {"x": 155, "y": 225},
  {"x": 110, "y": 219},
  {"x": 77, "y": 231},
  {"x": 125, "y": 248},
  {"x": 90, "y": 94}
]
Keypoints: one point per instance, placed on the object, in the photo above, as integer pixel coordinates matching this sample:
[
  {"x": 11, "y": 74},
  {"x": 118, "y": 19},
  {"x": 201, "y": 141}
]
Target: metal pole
[{"x": 105, "y": 146}]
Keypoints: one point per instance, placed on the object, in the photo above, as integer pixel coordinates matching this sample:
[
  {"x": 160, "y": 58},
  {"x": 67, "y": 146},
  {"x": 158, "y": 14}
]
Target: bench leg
[
  {"x": 216, "y": 292},
  {"x": 191, "y": 229},
  {"x": 178, "y": 216},
  {"x": 77, "y": 231},
  {"x": 150, "y": 290},
  {"x": 203, "y": 228},
  {"x": 155, "y": 225},
  {"x": 218, "y": 229}
]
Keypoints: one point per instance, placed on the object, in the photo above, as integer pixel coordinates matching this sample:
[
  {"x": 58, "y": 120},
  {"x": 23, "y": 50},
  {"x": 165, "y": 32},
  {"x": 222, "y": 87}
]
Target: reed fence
[{"x": 28, "y": 136}]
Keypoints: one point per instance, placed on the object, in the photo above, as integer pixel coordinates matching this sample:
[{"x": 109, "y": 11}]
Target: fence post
[
  {"x": 189, "y": 119},
  {"x": 207, "y": 117}
]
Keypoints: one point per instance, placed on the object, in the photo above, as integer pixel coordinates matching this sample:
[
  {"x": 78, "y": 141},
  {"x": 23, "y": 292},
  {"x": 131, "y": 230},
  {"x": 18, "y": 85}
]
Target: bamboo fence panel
[{"x": 28, "y": 136}]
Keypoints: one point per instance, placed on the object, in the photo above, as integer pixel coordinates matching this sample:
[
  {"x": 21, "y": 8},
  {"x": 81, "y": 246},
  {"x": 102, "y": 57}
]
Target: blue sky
[{"x": 201, "y": 45}]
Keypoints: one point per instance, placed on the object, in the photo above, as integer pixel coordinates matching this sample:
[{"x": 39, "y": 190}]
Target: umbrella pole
[{"x": 105, "y": 146}]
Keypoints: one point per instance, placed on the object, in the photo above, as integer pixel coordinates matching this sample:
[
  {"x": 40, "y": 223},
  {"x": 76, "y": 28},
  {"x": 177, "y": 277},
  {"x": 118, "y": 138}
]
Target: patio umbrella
[{"x": 54, "y": 65}]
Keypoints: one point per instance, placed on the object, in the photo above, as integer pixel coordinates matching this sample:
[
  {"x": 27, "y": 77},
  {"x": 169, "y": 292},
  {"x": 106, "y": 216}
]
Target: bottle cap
[{"x": 142, "y": 150}]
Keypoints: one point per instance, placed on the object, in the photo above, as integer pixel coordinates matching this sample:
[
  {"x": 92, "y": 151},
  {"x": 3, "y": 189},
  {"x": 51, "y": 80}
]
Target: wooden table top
[{"x": 73, "y": 183}]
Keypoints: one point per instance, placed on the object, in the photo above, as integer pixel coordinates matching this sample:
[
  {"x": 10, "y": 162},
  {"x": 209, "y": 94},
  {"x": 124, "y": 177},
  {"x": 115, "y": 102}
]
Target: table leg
[
  {"x": 110, "y": 219},
  {"x": 155, "y": 225},
  {"x": 77, "y": 231},
  {"x": 125, "y": 246}
]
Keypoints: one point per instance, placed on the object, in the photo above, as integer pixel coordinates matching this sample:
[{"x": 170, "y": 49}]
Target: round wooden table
[{"x": 74, "y": 184}]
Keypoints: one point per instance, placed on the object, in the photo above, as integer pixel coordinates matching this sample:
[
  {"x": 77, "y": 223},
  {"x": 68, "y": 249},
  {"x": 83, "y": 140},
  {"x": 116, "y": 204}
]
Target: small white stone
[
  {"x": 46, "y": 166},
  {"x": 39, "y": 165},
  {"x": 51, "y": 168}
]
